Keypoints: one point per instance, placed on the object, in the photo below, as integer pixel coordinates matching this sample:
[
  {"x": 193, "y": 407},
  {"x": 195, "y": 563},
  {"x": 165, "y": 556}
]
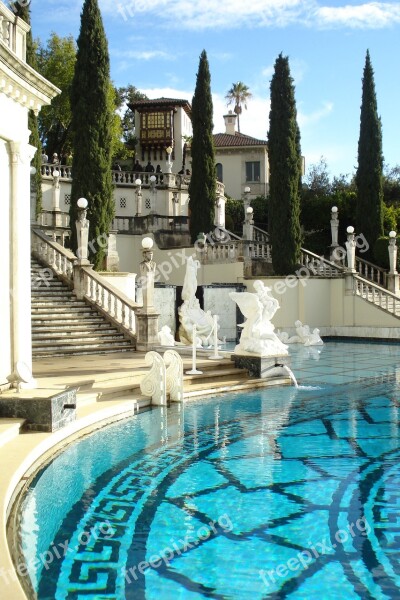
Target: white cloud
[
  {"x": 314, "y": 117},
  {"x": 370, "y": 15},
  {"x": 142, "y": 54},
  {"x": 225, "y": 14}
]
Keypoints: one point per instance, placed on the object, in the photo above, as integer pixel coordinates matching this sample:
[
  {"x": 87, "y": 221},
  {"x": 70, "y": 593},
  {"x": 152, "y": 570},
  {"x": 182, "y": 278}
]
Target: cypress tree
[
  {"x": 369, "y": 176},
  {"x": 202, "y": 186},
  {"x": 92, "y": 118},
  {"x": 34, "y": 139},
  {"x": 285, "y": 171}
]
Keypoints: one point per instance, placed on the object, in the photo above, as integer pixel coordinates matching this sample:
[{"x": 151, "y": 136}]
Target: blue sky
[{"x": 155, "y": 46}]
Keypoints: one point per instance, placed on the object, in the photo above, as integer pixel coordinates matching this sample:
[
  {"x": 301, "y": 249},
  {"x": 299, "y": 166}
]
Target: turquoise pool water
[{"x": 280, "y": 493}]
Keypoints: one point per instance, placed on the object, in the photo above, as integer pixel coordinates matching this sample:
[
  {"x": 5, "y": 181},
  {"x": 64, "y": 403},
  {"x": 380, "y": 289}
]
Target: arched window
[{"x": 220, "y": 176}]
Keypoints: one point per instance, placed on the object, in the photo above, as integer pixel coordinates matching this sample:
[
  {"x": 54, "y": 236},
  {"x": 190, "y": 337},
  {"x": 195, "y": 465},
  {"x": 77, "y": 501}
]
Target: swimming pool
[{"x": 279, "y": 493}]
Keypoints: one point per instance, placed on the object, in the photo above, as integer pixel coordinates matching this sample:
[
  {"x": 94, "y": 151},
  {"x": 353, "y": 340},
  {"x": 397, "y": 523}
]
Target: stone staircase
[{"x": 63, "y": 325}]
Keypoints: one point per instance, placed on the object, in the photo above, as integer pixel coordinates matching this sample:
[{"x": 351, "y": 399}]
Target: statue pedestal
[
  {"x": 146, "y": 331},
  {"x": 264, "y": 367}
]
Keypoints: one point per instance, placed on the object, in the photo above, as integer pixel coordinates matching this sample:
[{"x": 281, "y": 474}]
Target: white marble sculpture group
[
  {"x": 258, "y": 336},
  {"x": 190, "y": 312},
  {"x": 303, "y": 336}
]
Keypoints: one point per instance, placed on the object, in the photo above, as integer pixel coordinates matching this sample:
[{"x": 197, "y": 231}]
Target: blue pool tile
[
  {"x": 247, "y": 511},
  {"x": 265, "y": 470},
  {"x": 330, "y": 583},
  {"x": 197, "y": 477},
  {"x": 314, "y": 446}
]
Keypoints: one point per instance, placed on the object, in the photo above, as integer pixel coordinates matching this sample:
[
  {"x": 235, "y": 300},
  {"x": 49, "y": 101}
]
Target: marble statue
[
  {"x": 303, "y": 336},
  {"x": 190, "y": 311},
  {"x": 165, "y": 336},
  {"x": 307, "y": 337},
  {"x": 258, "y": 336}
]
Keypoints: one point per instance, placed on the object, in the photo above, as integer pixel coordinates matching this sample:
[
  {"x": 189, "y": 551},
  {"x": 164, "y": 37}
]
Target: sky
[{"x": 155, "y": 45}]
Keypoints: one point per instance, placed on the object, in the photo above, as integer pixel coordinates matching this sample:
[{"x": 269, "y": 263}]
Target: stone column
[
  {"x": 393, "y": 276},
  {"x": 82, "y": 232},
  {"x": 351, "y": 250},
  {"x": 351, "y": 261},
  {"x": 334, "y": 233},
  {"x": 139, "y": 198},
  {"x": 112, "y": 257},
  {"x": 248, "y": 225},
  {"x": 146, "y": 317},
  {"x": 20, "y": 292}
]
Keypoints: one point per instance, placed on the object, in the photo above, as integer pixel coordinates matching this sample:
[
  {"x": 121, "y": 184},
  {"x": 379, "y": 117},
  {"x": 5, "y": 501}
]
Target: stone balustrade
[
  {"x": 109, "y": 300},
  {"x": 58, "y": 258},
  {"x": 376, "y": 295},
  {"x": 318, "y": 265},
  {"x": 114, "y": 304},
  {"x": 47, "y": 170},
  {"x": 371, "y": 272},
  {"x": 13, "y": 32}
]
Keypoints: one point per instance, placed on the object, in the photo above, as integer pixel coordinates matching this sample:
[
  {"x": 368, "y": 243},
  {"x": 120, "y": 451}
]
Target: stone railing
[
  {"x": 150, "y": 223},
  {"x": 13, "y": 32},
  {"x": 114, "y": 304},
  {"x": 377, "y": 295},
  {"x": 48, "y": 169},
  {"x": 233, "y": 251},
  {"x": 53, "y": 218},
  {"x": 371, "y": 272},
  {"x": 259, "y": 235},
  {"x": 110, "y": 301},
  {"x": 59, "y": 259},
  {"x": 318, "y": 265}
]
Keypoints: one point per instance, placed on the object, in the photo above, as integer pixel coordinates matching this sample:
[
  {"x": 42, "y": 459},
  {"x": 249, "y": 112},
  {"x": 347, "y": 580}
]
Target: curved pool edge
[{"x": 22, "y": 456}]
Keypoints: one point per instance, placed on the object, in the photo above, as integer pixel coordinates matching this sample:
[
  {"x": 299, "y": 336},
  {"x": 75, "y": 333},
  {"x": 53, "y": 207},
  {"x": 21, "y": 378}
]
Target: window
[
  {"x": 253, "y": 171},
  {"x": 220, "y": 175}
]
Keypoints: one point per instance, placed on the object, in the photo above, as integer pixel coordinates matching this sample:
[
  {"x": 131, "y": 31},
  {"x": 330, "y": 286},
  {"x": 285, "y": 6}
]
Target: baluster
[
  {"x": 123, "y": 314},
  {"x": 93, "y": 289}
]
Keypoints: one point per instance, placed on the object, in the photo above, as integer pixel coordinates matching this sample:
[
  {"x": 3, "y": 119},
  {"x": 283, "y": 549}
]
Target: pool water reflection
[{"x": 278, "y": 493}]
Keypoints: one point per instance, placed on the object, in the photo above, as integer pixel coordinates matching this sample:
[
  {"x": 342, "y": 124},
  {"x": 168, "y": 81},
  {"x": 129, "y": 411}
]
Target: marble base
[
  {"x": 263, "y": 367},
  {"x": 42, "y": 414},
  {"x": 146, "y": 331}
]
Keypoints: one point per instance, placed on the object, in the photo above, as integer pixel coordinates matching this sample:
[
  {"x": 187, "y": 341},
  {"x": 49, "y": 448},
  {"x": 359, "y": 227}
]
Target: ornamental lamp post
[
  {"x": 153, "y": 190},
  {"x": 138, "y": 183},
  {"x": 169, "y": 163},
  {"x": 82, "y": 231},
  {"x": 393, "y": 276},
  {"x": 351, "y": 249},
  {"x": 246, "y": 201}
]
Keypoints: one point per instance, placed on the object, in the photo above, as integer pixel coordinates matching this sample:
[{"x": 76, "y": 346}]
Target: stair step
[
  {"x": 220, "y": 388},
  {"x": 66, "y": 329},
  {"x": 63, "y": 325},
  {"x": 9, "y": 429},
  {"x": 84, "y": 337},
  {"x": 66, "y": 319},
  {"x": 80, "y": 351}
]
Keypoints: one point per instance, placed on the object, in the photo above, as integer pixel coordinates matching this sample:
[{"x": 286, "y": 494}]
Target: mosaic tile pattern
[{"x": 280, "y": 493}]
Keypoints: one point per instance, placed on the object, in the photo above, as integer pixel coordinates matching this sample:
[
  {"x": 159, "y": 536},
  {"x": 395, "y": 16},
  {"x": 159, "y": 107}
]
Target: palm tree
[{"x": 239, "y": 94}]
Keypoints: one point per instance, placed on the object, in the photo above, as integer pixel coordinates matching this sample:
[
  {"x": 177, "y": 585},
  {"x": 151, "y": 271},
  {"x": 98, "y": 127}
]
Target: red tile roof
[{"x": 225, "y": 140}]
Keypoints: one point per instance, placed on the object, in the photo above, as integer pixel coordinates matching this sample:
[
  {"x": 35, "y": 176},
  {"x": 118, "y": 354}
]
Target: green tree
[
  {"x": 239, "y": 94},
  {"x": 285, "y": 171},
  {"x": 126, "y": 95},
  {"x": 56, "y": 62},
  {"x": 92, "y": 121},
  {"x": 203, "y": 180},
  {"x": 369, "y": 176},
  {"x": 34, "y": 139}
]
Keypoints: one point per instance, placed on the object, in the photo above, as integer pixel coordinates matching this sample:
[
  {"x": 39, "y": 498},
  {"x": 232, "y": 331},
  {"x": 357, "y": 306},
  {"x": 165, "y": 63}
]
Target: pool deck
[{"x": 108, "y": 390}]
